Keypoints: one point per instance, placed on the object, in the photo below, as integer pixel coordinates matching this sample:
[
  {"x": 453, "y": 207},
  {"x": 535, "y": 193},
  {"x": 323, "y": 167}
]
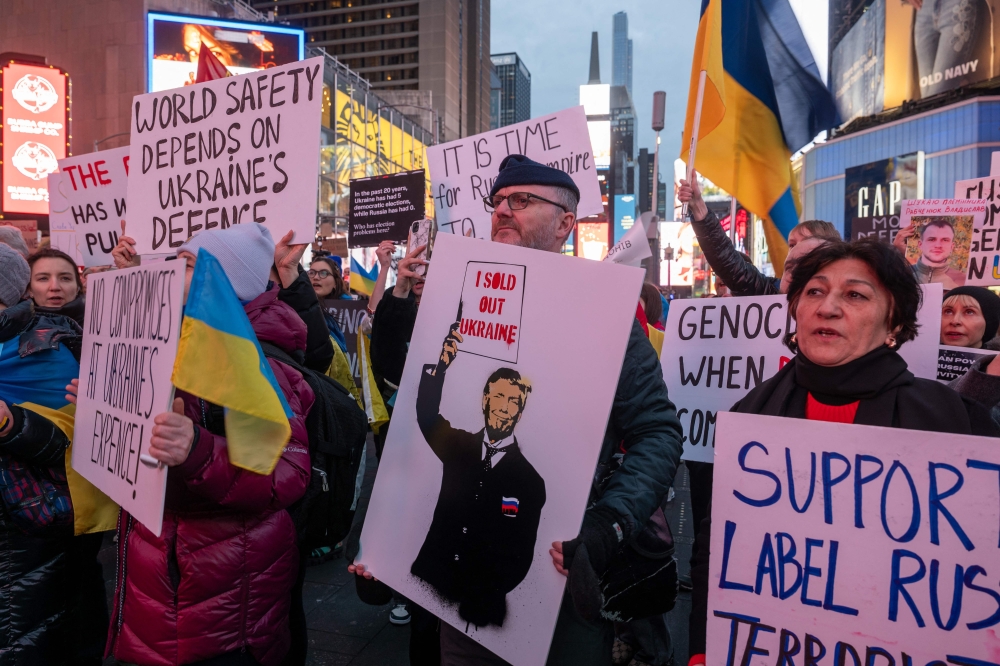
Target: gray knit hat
[
  {"x": 246, "y": 252},
  {"x": 14, "y": 275}
]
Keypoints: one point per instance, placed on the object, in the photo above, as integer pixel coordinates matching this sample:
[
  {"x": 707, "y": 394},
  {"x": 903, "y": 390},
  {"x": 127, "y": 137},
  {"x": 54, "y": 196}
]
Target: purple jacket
[{"x": 218, "y": 578}]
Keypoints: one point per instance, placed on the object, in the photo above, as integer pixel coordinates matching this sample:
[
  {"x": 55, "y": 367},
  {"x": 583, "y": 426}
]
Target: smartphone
[{"x": 421, "y": 233}]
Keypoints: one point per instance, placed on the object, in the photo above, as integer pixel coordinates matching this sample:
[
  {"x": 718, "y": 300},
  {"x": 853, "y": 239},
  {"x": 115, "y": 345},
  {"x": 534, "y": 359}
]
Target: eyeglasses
[
  {"x": 516, "y": 201},
  {"x": 322, "y": 275}
]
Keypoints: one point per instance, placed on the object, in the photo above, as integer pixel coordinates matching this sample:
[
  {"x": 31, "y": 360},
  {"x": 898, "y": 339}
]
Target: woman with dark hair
[
  {"x": 327, "y": 279},
  {"x": 854, "y": 305},
  {"x": 56, "y": 286}
]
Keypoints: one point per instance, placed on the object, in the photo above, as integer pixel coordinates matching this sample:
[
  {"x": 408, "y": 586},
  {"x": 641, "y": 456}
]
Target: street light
[{"x": 108, "y": 138}]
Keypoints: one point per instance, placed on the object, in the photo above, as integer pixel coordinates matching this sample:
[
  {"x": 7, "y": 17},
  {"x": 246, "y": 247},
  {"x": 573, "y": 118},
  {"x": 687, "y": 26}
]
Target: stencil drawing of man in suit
[{"x": 482, "y": 537}]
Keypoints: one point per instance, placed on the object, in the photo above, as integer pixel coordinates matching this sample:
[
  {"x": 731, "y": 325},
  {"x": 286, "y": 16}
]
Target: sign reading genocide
[
  {"x": 382, "y": 207},
  {"x": 463, "y": 171},
  {"x": 130, "y": 332},
  {"x": 91, "y": 197},
  {"x": 231, "y": 151},
  {"x": 717, "y": 350},
  {"x": 865, "y": 545},
  {"x": 349, "y": 315}
]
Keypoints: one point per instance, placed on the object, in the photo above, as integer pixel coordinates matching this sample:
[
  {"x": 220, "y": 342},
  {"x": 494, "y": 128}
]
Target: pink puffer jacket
[{"x": 218, "y": 578}]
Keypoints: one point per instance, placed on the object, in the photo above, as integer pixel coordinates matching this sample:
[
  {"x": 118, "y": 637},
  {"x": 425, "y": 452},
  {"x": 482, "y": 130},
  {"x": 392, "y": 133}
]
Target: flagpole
[
  {"x": 694, "y": 131},
  {"x": 732, "y": 220}
]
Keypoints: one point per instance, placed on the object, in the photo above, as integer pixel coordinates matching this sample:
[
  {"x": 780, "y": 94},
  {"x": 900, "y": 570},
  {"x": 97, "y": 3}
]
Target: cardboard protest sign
[
  {"x": 463, "y": 171},
  {"x": 490, "y": 310},
  {"x": 431, "y": 533},
  {"x": 954, "y": 362},
  {"x": 382, "y": 207},
  {"x": 632, "y": 249},
  {"x": 348, "y": 314},
  {"x": 89, "y": 194},
  {"x": 716, "y": 350},
  {"x": 867, "y": 545},
  {"x": 945, "y": 244},
  {"x": 130, "y": 331},
  {"x": 235, "y": 150},
  {"x": 62, "y": 229}
]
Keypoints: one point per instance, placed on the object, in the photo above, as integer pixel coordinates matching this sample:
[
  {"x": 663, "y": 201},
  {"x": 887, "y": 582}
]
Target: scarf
[{"x": 888, "y": 393}]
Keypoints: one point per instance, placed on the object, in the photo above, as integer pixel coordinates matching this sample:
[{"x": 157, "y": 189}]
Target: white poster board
[
  {"x": 130, "y": 331},
  {"x": 463, "y": 171},
  {"x": 558, "y": 442},
  {"x": 231, "y": 151},
  {"x": 897, "y": 556},
  {"x": 89, "y": 196},
  {"x": 716, "y": 350},
  {"x": 62, "y": 229}
]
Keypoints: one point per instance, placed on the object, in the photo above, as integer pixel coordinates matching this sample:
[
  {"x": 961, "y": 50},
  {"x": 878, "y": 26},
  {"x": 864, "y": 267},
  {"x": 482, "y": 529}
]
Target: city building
[
  {"x": 644, "y": 169},
  {"x": 494, "y": 99},
  {"x": 437, "y": 46},
  {"x": 361, "y": 133},
  {"x": 515, "y": 88},
  {"x": 623, "y": 141},
  {"x": 621, "y": 53}
]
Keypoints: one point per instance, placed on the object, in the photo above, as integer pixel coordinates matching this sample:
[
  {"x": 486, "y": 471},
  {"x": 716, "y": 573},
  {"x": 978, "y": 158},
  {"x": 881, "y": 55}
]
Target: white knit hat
[
  {"x": 246, "y": 253},
  {"x": 14, "y": 275}
]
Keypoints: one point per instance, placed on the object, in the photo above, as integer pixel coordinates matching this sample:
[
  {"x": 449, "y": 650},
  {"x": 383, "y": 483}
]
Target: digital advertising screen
[
  {"x": 174, "y": 41},
  {"x": 34, "y": 134}
]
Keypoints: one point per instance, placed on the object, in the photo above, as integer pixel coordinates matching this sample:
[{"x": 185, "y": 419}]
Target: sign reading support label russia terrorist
[
  {"x": 382, "y": 207},
  {"x": 852, "y": 545},
  {"x": 463, "y": 171},
  {"x": 231, "y": 151},
  {"x": 130, "y": 332}
]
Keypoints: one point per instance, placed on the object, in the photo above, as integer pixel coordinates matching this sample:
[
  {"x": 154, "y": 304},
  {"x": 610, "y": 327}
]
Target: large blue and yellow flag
[
  {"x": 764, "y": 99},
  {"x": 220, "y": 360},
  {"x": 362, "y": 281}
]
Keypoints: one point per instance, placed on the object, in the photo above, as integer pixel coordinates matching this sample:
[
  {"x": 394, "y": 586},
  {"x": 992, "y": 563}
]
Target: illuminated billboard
[
  {"x": 34, "y": 134},
  {"x": 895, "y": 51},
  {"x": 173, "y": 43},
  {"x": 596, "y": 99},
  {"x": 600, "y": 141}
]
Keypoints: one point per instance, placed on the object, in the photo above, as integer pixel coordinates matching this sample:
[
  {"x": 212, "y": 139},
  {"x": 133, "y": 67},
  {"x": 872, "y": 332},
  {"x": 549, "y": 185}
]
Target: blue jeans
[{"x": 951, "y": 39}]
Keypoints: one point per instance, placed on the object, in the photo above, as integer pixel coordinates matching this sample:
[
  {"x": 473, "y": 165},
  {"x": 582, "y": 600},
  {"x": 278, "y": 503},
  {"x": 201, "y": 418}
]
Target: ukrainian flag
[
  {"x": 220, "y": 360},
  {"x": 764, "y": 99},
  {"x": 363, "y": 281}
]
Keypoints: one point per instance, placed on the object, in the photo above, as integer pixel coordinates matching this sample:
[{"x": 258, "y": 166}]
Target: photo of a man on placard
[
  {"x": 940, "y": 252},
  {"x": 482, "y": 538}
]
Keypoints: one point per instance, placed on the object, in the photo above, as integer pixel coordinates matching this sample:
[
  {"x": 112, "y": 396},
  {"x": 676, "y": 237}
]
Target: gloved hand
[{"x": 588, "y": 556}]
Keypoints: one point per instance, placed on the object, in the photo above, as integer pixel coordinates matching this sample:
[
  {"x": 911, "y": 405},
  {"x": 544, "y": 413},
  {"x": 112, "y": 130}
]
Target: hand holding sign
[
  {"x": 172, "y": 436},
  {"x": 124, "y": 253},
  {"x": 287, "y": 258}
]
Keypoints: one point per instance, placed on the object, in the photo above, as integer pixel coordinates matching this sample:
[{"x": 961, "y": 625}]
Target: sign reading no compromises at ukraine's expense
[
  {"x": 231, "y": 151},
  {"x": 852, "y": 545},
  {"x": 130, "y": 336}
]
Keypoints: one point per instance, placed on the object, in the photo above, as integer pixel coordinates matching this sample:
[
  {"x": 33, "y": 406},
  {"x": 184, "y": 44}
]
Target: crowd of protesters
[{"x": 223, "y": 582}]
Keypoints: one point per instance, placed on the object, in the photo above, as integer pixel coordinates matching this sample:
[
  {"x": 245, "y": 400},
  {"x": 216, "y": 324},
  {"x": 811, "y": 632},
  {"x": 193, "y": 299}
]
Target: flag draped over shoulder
[
  {"x": 774, "y": 102},
  {"x": 362, "y": 281},
  {"x": 220, "y": 360}
]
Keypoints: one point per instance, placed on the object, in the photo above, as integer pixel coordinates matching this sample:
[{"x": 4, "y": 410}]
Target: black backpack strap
[{"x": 279, "y": 354}]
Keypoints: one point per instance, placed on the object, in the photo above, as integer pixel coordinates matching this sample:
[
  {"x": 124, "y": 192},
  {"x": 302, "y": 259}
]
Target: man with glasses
[{"x": 534, "y": 206}]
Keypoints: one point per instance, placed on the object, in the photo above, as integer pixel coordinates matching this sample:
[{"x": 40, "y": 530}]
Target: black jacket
[
  {"x": 742, "y": 277},
  {"x": 392, "y": 327},
  {"x": 482, "y": 538},
  {"x": 301, "y": 297}
]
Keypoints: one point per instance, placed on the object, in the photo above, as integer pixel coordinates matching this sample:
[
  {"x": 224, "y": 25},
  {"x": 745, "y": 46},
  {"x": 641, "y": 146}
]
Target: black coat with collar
[{"x": 476, "y": 551}]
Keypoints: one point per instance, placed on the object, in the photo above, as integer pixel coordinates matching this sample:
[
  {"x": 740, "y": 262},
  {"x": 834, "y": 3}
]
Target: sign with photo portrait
[{"x": 944, "y": 242}]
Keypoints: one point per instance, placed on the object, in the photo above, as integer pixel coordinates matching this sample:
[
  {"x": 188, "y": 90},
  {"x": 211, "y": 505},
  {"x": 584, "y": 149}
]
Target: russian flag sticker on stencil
[{"x": 508, "y": 506}]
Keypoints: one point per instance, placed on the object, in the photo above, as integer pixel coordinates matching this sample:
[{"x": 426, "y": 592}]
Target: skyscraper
[
  {"x": 621, "y": 53},
  {"x": 515, "y": 88},
  {"x": 439, "y": 47}
]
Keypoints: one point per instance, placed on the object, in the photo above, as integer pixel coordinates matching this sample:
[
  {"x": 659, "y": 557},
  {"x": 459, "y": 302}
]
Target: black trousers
[
  {"x": 297, "y": 617},
  {"x": 88, "y": 601}
]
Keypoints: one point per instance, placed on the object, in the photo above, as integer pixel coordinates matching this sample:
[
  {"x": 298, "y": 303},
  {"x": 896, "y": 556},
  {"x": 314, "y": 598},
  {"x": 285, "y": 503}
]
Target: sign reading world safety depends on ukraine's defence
[
  {"x": 231, "y": 151},
  {"x": 852, "y": 545}
]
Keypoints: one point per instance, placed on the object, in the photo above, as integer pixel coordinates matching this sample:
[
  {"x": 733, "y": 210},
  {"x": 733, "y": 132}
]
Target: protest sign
[
  {"x": 88, "y": 195},
  {"x": 632, "y": 249},
  {"x": 348, "y": 314},
  {"x": 807, "y": 560},
  {"x": 235, "y": 150},
  {"x": 490, "y": 310},
  {"x": 62, "y": 229},
  {"x": 948, "y": 244},
  {"x": 130, "y": 331},
  {"x": 954, "y": 362},
  {"x": 382, "y": 207},
  {"x": 431, "y": 533},
  {"x": 716, "y": 350},
  {"x": 463, "y": 171}
]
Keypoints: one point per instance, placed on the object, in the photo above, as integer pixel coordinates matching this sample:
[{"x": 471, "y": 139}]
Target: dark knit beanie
[
  {"x": 521, "y": 170},
  {"x": 989, "y": 303}
]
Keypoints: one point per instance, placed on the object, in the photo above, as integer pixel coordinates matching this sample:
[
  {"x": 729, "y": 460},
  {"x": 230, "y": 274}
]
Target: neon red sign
[{"x": 34, "y": 134}]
